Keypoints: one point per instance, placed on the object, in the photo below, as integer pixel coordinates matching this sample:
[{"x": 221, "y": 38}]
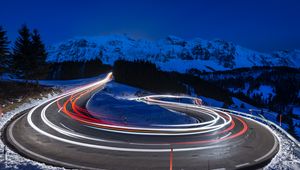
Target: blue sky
[{"x": 264, "y": 25}]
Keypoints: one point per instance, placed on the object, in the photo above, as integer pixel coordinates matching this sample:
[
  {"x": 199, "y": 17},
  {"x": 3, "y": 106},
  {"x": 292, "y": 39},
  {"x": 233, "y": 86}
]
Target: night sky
[{"x": 256, "y": 24}]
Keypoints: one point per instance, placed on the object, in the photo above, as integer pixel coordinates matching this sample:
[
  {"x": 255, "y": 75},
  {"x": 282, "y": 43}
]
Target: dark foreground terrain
[{"x": 12, "y": 94}]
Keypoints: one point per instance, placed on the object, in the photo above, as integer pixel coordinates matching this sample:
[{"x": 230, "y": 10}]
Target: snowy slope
[{"x": 170, "y": 54}]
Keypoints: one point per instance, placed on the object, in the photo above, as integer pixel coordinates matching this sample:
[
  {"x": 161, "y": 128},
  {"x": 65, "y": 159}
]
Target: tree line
[
  {"x": 26, "y": 58},
  {"x": 77, "y": 69},
  {"x": 148, "y": 76},
  {"x": 285, "y": 82}
]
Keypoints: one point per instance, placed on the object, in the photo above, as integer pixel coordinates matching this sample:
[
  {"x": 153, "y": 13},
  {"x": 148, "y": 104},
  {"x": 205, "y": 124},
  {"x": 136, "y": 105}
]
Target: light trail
[
  {"x": 65, "y": 120},
  {"x": 218, "y": 121},
  {"x": 190, "y": 129}
]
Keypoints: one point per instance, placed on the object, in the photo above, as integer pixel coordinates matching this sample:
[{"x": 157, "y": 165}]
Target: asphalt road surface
[{"x": 62, "y": 132}]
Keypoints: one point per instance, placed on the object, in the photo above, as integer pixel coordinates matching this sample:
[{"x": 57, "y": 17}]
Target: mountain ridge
[{"x": 170, "y": 54}]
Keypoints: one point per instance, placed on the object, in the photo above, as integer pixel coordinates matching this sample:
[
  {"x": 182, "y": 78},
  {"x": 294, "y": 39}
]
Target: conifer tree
[
  {"x": 29, "y": 55},
  {"x": 4, "y": 51},
  {"x": 22, "y": 54},
  {"x": 41, "y": 68}
]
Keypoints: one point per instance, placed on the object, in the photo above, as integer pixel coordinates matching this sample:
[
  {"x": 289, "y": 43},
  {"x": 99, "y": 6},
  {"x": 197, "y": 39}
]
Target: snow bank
[
  {"x": 211, "y": 102},
  {"x": 133, "y": 113},
  {"x": 286, "y": 158},
  {"x": 64, "y": 84},
  {"x": 14, "y": 160}
]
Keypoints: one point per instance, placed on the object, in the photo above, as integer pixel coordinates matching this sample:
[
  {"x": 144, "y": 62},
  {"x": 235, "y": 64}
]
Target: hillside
[{"x": 170, "y": 54}]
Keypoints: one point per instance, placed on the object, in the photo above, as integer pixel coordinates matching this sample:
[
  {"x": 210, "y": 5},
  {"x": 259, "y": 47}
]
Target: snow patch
[
  {"x": 265, "y": 91},
  {"x": 14, "y": 160}
]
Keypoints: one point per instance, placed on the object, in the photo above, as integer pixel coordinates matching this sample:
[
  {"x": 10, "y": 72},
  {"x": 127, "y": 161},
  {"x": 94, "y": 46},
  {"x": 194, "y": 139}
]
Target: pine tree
[
  {"x": 41, "y": 67},
  {"x": 29, "y": 55},
  {"x": 23, "y": 55},
  {"x": 4, "y": 51}
]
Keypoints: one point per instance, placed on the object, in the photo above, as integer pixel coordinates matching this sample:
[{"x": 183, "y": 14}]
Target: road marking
[
  {"x": 270, "y": 151},
  {"x": 66, "y": 127},
  {"x": 226, "y": 135},
  {"x": 149, "y": 144},
  {"x": 219, "y": 169},
  {"x": 241, "y": 165},
  {"x": 171, "y": 159},
  {"x": 60, "y": 109}
]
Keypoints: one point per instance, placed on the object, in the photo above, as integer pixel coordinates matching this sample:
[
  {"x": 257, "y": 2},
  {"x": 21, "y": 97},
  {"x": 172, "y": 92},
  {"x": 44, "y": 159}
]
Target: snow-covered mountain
[{"x": 170, "y": 54}]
